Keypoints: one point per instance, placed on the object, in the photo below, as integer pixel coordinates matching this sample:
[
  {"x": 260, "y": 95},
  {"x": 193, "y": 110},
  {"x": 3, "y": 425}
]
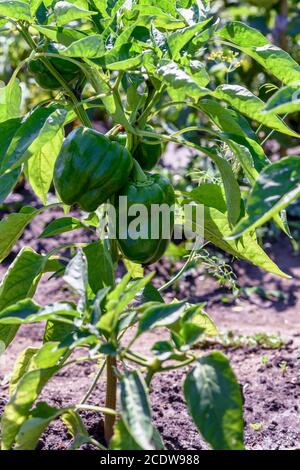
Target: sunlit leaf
[
  {"x": 214, "y": 400},
  {"x": 40, "y": 166},
  {"x": 252, "y": 106},
  {"x": 65, "y": 12},
  {"x": 276, "y": 187},
  {"x": 275, "y": 60}
]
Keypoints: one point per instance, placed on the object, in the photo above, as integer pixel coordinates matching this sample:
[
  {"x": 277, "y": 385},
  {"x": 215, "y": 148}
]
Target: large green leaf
[
  {"x": 284, "y": 101},
  {"x": 38, "y": 129},
  {"x": 180, "y": 38},
  {"x": 12, "y": 227},
  {"x": 43, "y": 365},
  {"x": 216, "y": 228},
  {"x": 276, "y": 187},
  {"x": 100, "y": 266},
  {"x": 26, "y": 311},
  {"x": 180, "y": 84},
  {"x": 271, "y": 57},
  {"x": 15, "y": 314},
  {"x": 64, "y": 36},
  {"x": 40, "y": 166},
  {"x": 10, "y": 101},
  {"x": 231, "y": 188},
  {"x": 89, "y": 47},
  {"x": 15, "y": 9},
  {"x": 159, "y": 315},
  {"x": 19, "y": 282},
  {"x": 34, "y": 426},
  {"x": 214, "y": 400},
  {"x": 238, "y": 135},
  {"x": 209, "y": 194},
  {"x": 65, "y": 12},
  {"x": 21, "y": 367},
  {"x": 135, "y": 410},
  {"x": 252, "y": 106},
  {"x": 8, "y": 180},
  {"x": 62, "y": 225}
]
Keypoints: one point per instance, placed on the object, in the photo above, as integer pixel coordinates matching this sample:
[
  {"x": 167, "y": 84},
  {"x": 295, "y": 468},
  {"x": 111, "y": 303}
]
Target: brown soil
[{"x": 271, "y": 386}]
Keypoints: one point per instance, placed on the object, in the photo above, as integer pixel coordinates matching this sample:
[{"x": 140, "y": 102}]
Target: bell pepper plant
[{"x": 137, "y": 62}]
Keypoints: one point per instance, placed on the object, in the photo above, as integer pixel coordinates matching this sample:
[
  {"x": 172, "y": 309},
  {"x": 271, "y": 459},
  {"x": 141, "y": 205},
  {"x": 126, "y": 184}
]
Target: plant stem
[
  {"x": 111, "y": 397},
  {"x": 98, "y": 409},
  {"x": 94, "y": 383},
  {"x": 154, "y": 99},
  {"x": 179, "y": 274}
]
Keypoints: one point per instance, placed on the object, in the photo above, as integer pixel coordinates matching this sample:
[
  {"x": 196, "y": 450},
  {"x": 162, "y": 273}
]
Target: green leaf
[
  {"x": 15, "y": 314},
  {"x": 179, "y": 39},
  {"x": 151, "y": 294},
  {"x": 21, "y": 367},
  {"x": 65, "y": 12},
  {"x": 214, "y": 400},
  {"x": 160, "y": 315},
  {"x": 285, "y": 101},
  {"x": 180, "y": 83},
  {"x": 209, "y": 194},
  {"x": 276, "y": 188},
  {"x": 15, "y": 9},
  {"x": 21, "y": 278},
  {"x": 76, "y": 275},
  {"x": 34, "y": 426},
  {"x": 122, "y": 439},
  {"x": 119, "y": 299},
  {"x": 76, "y": 428},
  {"x": 100, "y": 266},
  {"x": 198, "y": 317},
  {"x": 7, "y": 183},
  {"x": 9, "y": 180},
  {"x": 40, "y": 166},
  {"x": 252, "y": 106},
  {"x": 135, "y": 410},
  {"x": 227, "y": 120},
  {"x": 272, "y": 58},
  {"x": 34, "y": 6},
  {"x": 216, "y": 228},
  {"x": 89, "y": 47},
  {"x": 11, "y": 229},
  {"x": 231, "y": 188},
  {"x": 239, "y": 136},
  {"x": 20, "y": 281},
  {"x": 43, "y": 365},
  {"x": 36, "y": 131},
  {"x": 10, "y": 100},
  {"x": 26, "y": 311},
  {"x": 62, "y": 225},
  {"x": 64, "y": 36}
]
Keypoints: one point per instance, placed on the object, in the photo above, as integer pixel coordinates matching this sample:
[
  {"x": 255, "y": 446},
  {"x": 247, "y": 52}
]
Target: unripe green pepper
[
  {"x": 68, "y": 70},
  {"x": 90, "y": 169},
  {"x": 147, "y": 190},
  {"x": 148, "y": 155}
]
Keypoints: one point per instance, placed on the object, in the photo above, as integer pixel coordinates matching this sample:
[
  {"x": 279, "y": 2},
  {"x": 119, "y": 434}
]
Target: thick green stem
[{"x": 111, "y": 397}]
